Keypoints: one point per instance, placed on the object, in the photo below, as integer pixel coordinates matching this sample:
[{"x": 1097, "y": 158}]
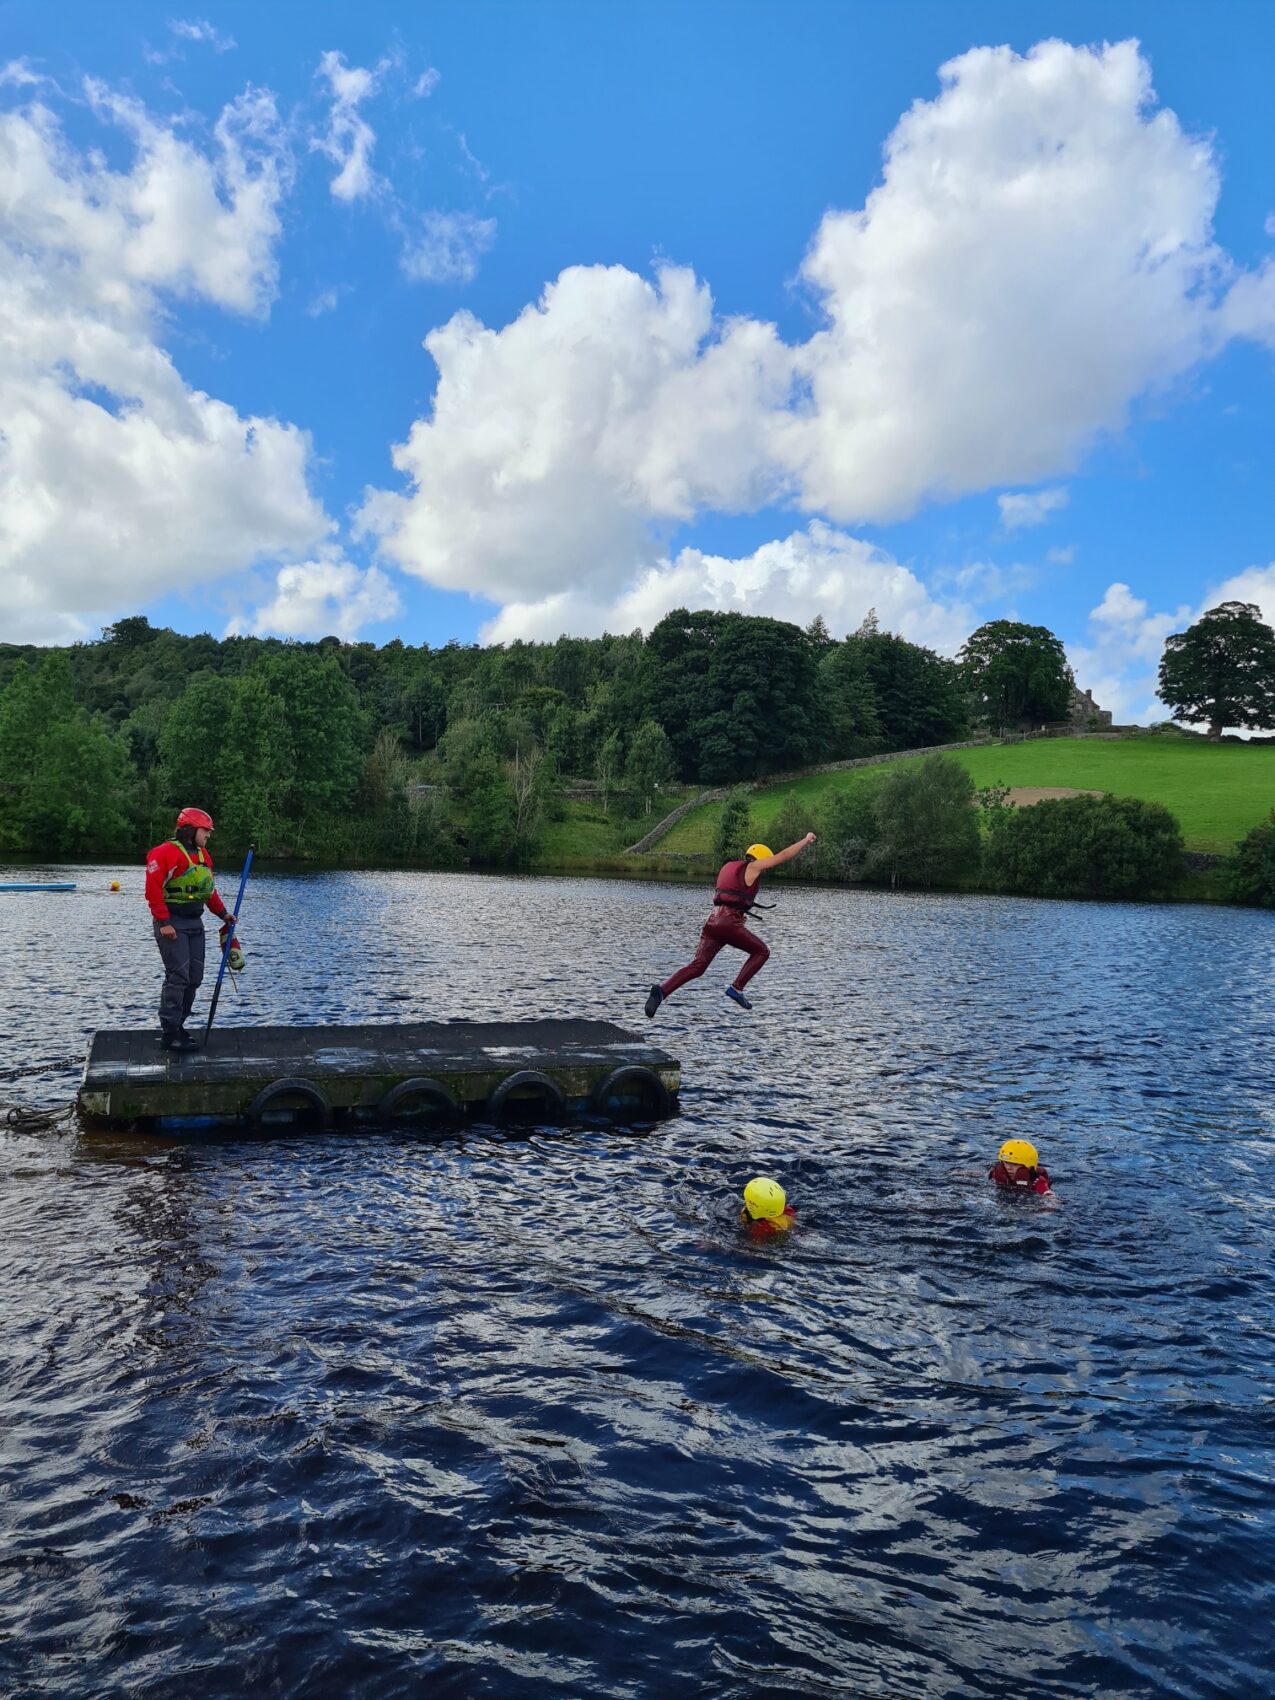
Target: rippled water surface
[{"x": 372, "y": 1416}]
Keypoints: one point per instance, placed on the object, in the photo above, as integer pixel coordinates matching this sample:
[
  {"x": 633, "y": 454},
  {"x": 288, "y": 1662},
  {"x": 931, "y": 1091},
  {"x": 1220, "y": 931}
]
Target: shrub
[
  {"x": 1087, "y": 847},
  {"x": 927, "y": 828},
  {"x": 847, "y": 831},
  {"x": 791, "y": 823},
  {"x": 1250, "y": 869}
]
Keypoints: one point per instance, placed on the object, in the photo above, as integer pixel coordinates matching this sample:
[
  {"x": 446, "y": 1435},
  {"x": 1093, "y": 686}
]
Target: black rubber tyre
[
  {"x": 314, "y": 1098},
  {"x": 420, "y": 1089},
  {"x": 502, "y": 1101},
  {"x": 632, "y": 1081}
]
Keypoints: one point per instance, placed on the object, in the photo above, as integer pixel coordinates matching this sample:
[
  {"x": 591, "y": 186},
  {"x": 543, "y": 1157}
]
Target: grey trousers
[{"x": 183, "y": 968}]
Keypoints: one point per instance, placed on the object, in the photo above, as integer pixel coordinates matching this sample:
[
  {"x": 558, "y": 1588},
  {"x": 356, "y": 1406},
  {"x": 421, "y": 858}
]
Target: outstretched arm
[{"x": 754, "y": 870}]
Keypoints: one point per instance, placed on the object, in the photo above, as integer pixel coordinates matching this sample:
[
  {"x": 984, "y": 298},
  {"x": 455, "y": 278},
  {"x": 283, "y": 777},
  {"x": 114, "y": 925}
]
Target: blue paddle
[{"x": 230, "y": 939}]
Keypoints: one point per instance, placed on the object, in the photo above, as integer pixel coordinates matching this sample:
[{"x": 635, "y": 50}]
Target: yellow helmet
[
  {"x": 757, "y": 850},
  {"x": 764, "y": 1199},
  {"x": 1019, "y": 1151}
]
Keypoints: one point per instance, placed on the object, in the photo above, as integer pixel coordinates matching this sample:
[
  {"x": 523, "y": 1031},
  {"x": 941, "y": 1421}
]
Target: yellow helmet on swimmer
[
  {"x": 1019, "y": 1151},
  {"x": 764, "y": 1199},
  {"x": 758, "y": 850}
]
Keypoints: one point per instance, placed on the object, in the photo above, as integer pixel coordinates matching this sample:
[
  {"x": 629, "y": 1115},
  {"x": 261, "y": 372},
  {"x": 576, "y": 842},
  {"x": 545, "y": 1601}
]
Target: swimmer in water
[
  {"x": 1017, "y": 1167},
  {"x": 766, "y": 1211}
]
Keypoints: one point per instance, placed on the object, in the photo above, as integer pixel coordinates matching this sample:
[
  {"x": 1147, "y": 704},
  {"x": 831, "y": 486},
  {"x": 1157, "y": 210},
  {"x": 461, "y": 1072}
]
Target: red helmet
[{"x": 195, "y": 817}]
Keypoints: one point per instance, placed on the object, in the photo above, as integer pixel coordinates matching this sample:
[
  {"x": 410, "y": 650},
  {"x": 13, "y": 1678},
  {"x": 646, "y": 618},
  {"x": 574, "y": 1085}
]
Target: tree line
[
  {"x": 460, "y": 754},
  {"x": 437, "y": 755}
]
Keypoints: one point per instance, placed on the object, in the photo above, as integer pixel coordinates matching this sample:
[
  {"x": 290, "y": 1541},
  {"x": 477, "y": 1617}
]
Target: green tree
[
  {"x": 63, "y": 776},
  {"x": 467, "y": 756},
  {"x": 847, "y": 702},
  {"x": 563, "y": 741},
  {"x": 490, "y": 814},
  {"x": 1250, "y": 869},
  {"x": 1222, "y": 669},
  {"x": 736, "y": 694},
  {"x": 1014, "y": 672},
  {"x": 609, "y": 766},
  {"x": 848, "y": 830},
  {"x": 927, "y": 828},
  {"x": 650, "y": 763},
  {"x": 75, "y": 808},
  {"x": 195, "y": 730},
  {"x": 1087, "y": 847},
  {"x": 254, "y": 769},
  {"x": 529, "y": 775},
  {"x": 734, "y": 829},
  {"x": 918, "y": 695},
  {"x": 325, "y": 726}
]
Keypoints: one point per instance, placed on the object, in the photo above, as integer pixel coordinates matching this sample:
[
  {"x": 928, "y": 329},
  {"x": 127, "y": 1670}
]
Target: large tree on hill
[
  {"x": 736, "y": 694},
  {"x": 1222, "y": 669},
  {"x": 1015, "y": 672},
  {"x": 916, "y": 694}
]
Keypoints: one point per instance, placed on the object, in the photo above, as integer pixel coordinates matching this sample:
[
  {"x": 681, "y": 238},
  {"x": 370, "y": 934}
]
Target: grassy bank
[{"x": 1217, "y": 791}]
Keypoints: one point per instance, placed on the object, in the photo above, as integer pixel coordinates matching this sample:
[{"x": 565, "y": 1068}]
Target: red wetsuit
[
  {"x": 1038, "y": 1182},
  {"x": 762, "y": 1227},
  {"x": 725, "y": 926}
]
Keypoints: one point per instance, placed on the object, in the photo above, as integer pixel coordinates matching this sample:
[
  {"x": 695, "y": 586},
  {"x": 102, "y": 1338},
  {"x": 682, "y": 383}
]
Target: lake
[{"x": 373, "y": 1416}]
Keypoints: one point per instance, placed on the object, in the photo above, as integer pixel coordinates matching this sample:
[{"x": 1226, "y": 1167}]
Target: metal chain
[{"x": 41, "y": 1068}]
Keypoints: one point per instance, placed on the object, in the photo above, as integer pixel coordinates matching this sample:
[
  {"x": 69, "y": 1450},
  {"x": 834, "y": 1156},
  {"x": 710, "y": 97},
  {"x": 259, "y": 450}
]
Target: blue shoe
[
  {"x": 654, "y": 998},
  {"x": 736, "y": 996}
]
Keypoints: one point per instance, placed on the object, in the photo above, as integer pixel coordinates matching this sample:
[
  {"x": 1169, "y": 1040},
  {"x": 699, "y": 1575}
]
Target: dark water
[{"x": 366, "y": 1416}]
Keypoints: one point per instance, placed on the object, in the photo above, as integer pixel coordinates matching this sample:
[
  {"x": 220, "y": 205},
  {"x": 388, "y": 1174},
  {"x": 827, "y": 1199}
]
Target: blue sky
[{"x": 738, "y": 305}]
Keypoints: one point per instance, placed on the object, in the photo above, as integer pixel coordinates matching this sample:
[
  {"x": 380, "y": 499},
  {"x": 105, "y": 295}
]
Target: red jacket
[
  {"x": 1000, "y": 1174},
  {"x": 164, "y": 861}
]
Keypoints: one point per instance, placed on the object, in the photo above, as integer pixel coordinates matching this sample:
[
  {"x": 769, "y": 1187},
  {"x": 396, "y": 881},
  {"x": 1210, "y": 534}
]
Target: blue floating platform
[{"x": 36, "y": 885}]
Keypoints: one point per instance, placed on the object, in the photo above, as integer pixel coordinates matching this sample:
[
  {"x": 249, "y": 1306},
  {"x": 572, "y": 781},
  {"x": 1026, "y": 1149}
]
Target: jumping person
[
  {"x": 735, "y": 895},
  {"x": 179, "y": 884}
]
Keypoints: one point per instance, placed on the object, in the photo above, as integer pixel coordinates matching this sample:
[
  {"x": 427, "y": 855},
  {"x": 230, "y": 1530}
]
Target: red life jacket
[
  {"x": 733, "y": 891},
  {"x": 1039, "y": 1181},
  {"x": 762, "y": 1227}
]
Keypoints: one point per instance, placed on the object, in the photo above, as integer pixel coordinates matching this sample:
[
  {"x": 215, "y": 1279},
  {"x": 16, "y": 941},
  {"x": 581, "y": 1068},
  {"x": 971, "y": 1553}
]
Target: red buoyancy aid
[
  {"x": 1039, "y": 1181},
  {"x": 762, "y": 1227},
  {"x": 733, "y": 891}
]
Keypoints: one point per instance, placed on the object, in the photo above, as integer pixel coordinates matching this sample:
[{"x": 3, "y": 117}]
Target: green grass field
[{"x": 1217, "y": 791}]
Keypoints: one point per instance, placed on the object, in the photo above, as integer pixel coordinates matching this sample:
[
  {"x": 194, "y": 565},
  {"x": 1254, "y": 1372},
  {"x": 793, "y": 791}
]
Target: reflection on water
[{"x": 498, "y": 1417}]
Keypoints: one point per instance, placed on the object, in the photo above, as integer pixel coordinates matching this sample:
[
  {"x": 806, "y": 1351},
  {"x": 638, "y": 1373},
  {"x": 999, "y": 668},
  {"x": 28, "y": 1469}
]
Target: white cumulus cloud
[
  {"x": 118, "y": 481},
  {"x": 326, "y": 596},
  {"x": 1038, "y": 255},
  {"x": 1254, "y": 584},
  {"x": 554, "y": 443},
  {"x": 816, "y": 571}
]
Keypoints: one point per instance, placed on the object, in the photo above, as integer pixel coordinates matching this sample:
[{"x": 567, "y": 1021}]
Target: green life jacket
[{"x": 194, "y": 884}]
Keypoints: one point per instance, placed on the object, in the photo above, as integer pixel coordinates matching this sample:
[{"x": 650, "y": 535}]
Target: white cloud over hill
[{"x": 1037, "y": 256}]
